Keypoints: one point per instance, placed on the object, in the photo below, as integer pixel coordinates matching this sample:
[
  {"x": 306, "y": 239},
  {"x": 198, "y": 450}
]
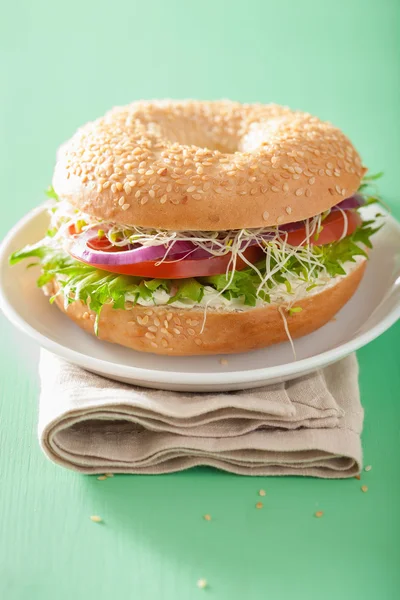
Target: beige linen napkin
[{"x": 307, "y": 426}]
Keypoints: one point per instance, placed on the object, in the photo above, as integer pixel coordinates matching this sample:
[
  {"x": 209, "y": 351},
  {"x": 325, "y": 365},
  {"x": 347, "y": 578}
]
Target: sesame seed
[
  {"x": 364, "y": 488},
  {"x": 288, "y": 209},
  {"x": 285, "y": 187},
  {"x": 149, "y": 336},
  {"x": 191, "y": 331},
  {"x": 121, "y": 201},
  {"x": 198, "y": 342},
  {"x": 265, "y": 215},
  {"x": 319, "y": 514},
  {"x": 102, "y": 477},
  {"x": 109, "y": 474},
  {"x": 125, "y": 206},
  {"x": 223, "y": 361},
  {"x": 368, "y": 468},
  {"x": 153, "y": 328},
  {"x": 299, "y": 192},
  {"x": 143, "y": 320},
  {"x": 207, "y": 517},
  {"x": 280, "y": 219},
  {"x": 262, "y": 492},
  {"x": 96, "y": 519},
  {"x": 259, "y": 505},
  {"x": 202, "y": 583}
]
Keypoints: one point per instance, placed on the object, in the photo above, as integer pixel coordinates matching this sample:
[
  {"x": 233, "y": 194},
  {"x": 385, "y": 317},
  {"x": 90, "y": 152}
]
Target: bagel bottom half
[{"x": 177, "y": 332}]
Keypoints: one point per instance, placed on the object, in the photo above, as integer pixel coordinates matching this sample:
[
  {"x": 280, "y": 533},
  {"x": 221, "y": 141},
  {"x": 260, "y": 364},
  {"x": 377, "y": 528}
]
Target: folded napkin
[{"x": 307, "y": 426}]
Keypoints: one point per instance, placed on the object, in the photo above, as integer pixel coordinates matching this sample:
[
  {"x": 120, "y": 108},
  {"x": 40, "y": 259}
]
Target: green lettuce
[{"x": 96, "y": 288}]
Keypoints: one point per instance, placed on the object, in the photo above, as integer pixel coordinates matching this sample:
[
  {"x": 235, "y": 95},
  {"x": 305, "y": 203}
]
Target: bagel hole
[{"x": 187, "y": 132}]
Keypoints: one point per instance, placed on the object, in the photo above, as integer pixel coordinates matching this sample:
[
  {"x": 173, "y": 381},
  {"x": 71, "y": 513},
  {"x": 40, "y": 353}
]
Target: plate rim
[{"x": 145, "y": 375}]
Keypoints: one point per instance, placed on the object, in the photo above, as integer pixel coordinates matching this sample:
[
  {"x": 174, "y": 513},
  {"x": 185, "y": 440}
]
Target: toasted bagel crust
[
  {"x": 206, "y": 166},
  {"x": 177, "y": 332}
]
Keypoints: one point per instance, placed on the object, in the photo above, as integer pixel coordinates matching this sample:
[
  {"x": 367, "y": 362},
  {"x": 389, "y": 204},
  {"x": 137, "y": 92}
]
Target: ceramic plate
[{"x": 374, "y": 308}]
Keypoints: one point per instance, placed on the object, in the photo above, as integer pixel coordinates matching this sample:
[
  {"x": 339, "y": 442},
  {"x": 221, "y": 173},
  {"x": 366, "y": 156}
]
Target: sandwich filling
[{"x": 99, "y": 262}]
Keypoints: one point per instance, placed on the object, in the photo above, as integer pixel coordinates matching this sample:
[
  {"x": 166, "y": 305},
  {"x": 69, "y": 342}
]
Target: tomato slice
[
  {"x": 101, "y": 243},
  {"x": 181, "y": 269},
  {"x": 332, "y": 229},
  {"x": 104, "y": 245}
]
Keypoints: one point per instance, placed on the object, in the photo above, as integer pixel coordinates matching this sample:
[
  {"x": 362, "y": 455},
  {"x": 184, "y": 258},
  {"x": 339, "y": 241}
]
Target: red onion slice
[
  {"x": 80, "y": 250},
  {"x": 354, "y": 201}
]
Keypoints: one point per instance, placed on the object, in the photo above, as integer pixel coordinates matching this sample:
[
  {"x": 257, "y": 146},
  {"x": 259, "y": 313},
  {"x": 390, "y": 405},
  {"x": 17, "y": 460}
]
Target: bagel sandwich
[{"x": 185, "y": 227}]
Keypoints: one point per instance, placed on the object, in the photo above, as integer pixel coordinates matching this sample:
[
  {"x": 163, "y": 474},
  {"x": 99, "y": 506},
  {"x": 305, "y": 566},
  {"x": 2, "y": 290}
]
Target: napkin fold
[{"x": 306, "y": 426}]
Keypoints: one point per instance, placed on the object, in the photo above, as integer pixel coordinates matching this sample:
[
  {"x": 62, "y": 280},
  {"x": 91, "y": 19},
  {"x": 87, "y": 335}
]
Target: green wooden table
[{"x": 64, "y": 63}]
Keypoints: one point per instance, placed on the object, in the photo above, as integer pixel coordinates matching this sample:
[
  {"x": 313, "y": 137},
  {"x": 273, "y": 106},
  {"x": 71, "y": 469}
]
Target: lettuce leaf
[
  {"x": 97, "y": 288},
  {"x": 50, "y": 193}
]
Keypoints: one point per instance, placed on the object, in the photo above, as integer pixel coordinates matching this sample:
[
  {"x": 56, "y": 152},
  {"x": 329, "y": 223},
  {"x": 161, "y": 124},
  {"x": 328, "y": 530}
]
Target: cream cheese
[{"x": 278, "y": 294}]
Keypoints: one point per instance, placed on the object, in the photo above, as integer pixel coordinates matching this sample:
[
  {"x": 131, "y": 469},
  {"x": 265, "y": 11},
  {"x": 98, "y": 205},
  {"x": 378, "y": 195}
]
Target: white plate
[{"x": 373, "y": 309}]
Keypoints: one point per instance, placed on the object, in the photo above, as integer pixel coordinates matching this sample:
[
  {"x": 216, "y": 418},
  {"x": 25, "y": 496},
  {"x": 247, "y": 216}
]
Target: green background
[{"x": 63, "y": 63}]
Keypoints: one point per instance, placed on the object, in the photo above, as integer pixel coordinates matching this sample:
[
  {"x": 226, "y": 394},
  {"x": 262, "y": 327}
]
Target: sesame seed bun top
[{"x": 206, "y": 166}]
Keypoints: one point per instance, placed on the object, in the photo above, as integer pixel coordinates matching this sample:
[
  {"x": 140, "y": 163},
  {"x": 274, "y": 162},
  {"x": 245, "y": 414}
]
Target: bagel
[
  {"x": 188, "y": 227},
  {"x": 206, "y": 166}
]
